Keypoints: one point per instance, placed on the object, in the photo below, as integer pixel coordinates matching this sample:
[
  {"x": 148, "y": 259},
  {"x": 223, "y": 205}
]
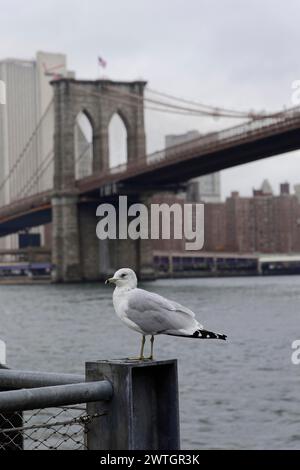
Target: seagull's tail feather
[
  {"x": 205, "y": 334},
  {"x": 201, "y": 334}
]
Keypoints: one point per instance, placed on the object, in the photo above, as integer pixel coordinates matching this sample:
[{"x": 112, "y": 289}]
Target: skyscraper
[
  {"x": 18, "y": 118},
  {"x": 203, "y": 188},
  {"x": 28, "y": 95},
  {"x": 297, "y": 191}
]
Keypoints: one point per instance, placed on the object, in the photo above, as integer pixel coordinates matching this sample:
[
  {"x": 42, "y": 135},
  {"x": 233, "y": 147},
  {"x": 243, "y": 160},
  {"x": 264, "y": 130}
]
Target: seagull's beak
[{"x": 111, "y": 280}]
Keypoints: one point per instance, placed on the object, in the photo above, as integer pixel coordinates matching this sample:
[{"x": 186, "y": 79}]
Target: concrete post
[
  {"x": 57, "y": 240},
  {"x": 71, "y": 247},
  {"x": 131, "y": 147},
  {"x": 89, "y": 243},
  {"x": 136, "y": 141},
  {"x": 100, "y": 151},
  {"x": 140, "y": 137},
  {"x": 66, "y": 256},
  {"x": 143, "y": 412},
  {"x": 64, "y": 144},
  {"x": 66, "y": 248}
]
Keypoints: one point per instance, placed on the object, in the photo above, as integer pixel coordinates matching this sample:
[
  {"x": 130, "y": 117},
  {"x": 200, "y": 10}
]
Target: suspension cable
[
  {"x": 163, "y": 106},
  {"x": 39, "y": 176},
  {"x": 195, "y": 103},
  {"x": 35, "y": 175},
  {"x": 25, "y": 148}
]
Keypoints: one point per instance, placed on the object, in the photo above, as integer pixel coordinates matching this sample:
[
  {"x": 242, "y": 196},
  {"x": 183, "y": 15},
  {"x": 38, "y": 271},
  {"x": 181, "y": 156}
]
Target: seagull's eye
[{"x": 123, "y": 275}]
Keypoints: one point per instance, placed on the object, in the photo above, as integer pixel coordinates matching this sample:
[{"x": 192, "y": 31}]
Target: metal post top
[
  {"x": 127, "y": 362},
  {"x": 144, "y": 411}
]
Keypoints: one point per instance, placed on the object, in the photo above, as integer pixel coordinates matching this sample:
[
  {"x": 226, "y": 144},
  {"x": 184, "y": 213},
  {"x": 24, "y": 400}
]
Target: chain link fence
[{"x": 63, "y": 428}]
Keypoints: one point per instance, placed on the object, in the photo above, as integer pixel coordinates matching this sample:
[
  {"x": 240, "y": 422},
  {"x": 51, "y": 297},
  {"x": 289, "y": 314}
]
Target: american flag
[{"x": 102, "y": 62}]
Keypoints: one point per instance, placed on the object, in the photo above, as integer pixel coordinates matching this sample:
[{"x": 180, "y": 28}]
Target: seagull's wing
[
  {"x": 156, "y": 314},
  {"x": 180, "y": 308}
]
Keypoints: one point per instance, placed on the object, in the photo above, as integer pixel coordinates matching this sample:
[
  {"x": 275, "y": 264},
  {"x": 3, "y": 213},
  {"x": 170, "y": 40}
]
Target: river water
[{"x": 243, "y": 393}]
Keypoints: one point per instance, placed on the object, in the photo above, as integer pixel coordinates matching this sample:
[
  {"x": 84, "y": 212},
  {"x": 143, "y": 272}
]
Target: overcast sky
[{"x": 239, "y": 54}]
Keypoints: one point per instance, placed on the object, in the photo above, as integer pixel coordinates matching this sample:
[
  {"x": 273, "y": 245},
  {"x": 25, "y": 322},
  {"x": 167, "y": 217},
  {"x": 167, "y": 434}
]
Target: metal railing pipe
[
  {"x": 14, "y": 379},
  {"x": 58, "y": 395}
]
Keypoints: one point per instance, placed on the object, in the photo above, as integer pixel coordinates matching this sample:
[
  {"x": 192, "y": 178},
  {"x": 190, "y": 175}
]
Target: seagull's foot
[{"x": 141, "y": 358}]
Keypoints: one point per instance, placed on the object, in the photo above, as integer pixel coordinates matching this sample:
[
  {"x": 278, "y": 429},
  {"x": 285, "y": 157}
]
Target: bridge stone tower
[{"x": 77, "y": 254}]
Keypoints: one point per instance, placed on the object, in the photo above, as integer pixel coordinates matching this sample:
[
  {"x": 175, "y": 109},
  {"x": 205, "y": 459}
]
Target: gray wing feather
[{"x": 152, "y": 312}]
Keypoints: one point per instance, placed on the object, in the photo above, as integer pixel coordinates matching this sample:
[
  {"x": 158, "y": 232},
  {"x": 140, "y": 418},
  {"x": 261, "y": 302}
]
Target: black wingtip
[
  {"x": 205, "y": 334},
  {"x": 224, "y": 337}
]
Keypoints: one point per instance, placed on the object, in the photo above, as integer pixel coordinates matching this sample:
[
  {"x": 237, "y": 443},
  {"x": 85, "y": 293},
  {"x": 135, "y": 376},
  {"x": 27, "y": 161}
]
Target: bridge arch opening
[
  {"x": 117, "y": 141},
  {"x": 83, "y": 143}
]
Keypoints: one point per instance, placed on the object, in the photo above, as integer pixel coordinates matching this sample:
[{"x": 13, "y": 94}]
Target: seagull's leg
[
  {"x": 142, "y": 348},
  {"x": 141, "y": 356},
  {"x": 152, "y": 342}
]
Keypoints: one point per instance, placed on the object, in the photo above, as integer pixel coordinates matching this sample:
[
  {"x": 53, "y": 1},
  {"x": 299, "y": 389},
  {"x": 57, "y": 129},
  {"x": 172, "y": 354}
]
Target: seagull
[{"x": 151, "y": 314}]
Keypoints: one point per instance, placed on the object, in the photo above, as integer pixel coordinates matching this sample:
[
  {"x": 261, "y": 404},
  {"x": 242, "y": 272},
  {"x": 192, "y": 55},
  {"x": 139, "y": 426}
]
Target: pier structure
[{"x": 127, "y": 405}]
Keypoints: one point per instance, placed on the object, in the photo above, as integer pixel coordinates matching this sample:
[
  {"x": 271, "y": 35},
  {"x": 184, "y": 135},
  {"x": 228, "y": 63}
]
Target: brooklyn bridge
[{"x": 56, "y": 192}]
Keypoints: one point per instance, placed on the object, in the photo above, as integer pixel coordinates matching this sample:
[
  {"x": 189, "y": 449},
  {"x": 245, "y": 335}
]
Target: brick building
[
  {"x": 240, "y": 233},
  {"x": 263, "y": 223},
  {"x": 214, "y": 227}
]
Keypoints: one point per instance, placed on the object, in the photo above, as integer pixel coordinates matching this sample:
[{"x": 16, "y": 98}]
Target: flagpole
[
  {"x": 98, "y": 69},
  {"x": 102, "y": 64}
]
